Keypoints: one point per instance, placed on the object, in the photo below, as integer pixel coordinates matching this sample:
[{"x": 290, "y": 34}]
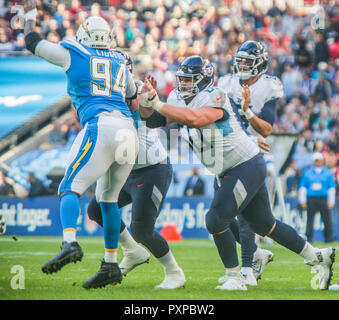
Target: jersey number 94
[{"x": 101, "y": 70}]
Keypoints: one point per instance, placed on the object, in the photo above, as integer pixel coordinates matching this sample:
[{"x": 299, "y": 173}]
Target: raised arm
[
  {"x": 51, "y": 52},
  {"x": 185, "y": 116},
  {"x": 259, "y": 125}
]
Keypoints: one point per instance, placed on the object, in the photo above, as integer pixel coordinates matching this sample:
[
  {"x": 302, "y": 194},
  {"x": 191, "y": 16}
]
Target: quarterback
[{"x": 250, "y": 63}]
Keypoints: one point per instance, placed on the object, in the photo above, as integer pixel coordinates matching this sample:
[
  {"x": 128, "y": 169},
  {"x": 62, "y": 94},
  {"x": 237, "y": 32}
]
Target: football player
[
  {"x": 146, "y": 189},
  {"x": 210, "y": 125},
  {"x": 106, "y": 148},
  {"x": 250, "y": 63}
]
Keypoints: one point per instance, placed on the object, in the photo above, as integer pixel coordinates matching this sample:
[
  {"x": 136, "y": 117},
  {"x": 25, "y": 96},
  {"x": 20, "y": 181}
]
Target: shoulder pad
[
  {"x": 74, "y": 45},
  {"x": 216, "y": 97}
]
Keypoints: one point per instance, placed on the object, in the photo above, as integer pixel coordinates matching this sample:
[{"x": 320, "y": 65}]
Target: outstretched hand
[
  {"x": 149, "y": 97},
  {"x": 246, "y": 96}
]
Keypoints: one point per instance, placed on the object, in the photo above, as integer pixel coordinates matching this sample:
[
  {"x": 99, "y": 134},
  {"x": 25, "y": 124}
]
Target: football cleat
[
  {"x": 109, "y": 273},
  {"x": 334, "y": 287},
  {"x": 173, "y": 280},
  {"x": 70, "y": 252},
  {"x": 249, "y": 277},
  {"x": 261, "y": 258},
  {"x": 133, "y": 258},
  {"x": 2, "y": 224},
  {"x": 234, "y": 281},
  {"x": 324, "y": 267}
]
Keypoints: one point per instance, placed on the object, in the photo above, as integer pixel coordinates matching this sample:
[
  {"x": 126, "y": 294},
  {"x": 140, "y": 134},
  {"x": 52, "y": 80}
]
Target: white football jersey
[
  {"x": 266, "y": 88},
  {"x": 221, "y": 145},
  {"x": 151, "y": 150}
]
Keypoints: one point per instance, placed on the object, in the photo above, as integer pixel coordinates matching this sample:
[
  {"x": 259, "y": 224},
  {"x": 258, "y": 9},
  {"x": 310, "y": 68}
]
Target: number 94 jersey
[
  {"x": 223, "y": 144},
  {"x": 97, "y": 80}
]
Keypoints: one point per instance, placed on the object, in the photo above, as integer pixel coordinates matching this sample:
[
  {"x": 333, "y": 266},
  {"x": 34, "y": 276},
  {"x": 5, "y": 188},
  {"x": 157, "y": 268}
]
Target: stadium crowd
[{"x": 303, "y": 49}]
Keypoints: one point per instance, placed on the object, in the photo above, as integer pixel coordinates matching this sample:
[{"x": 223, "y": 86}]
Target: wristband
[
  {"x": 248, "y": 114},
  {"x": 31, "y": 14},
  {"x": 155, "y": 102}
]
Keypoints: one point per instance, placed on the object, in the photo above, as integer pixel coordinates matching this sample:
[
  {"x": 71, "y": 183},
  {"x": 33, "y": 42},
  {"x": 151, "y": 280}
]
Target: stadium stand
[{"x": 302, "y": 40}]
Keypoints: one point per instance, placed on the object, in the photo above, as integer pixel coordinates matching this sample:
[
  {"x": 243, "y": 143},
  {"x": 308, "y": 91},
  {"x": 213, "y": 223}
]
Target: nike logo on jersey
[
  {"x": 219, "y": 98},
  {"x": 140, "y": 185}
]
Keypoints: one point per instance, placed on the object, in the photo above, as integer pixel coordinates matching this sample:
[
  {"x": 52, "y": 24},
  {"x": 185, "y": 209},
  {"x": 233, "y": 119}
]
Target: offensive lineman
[
  {"x": 146, "y": 189},
  {"x": 98, "y": 81},
  {"x": 212, "y": 129},
  {"x": 250, "y": 65}
]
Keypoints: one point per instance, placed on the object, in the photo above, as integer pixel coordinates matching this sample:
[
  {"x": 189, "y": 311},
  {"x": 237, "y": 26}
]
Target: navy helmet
[
  {"x": 250, "y": 60},
  {"x": 201, "y": 73}
]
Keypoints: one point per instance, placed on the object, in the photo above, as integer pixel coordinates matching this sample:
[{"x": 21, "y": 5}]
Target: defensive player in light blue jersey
[
  {"x": 209, "y": 123},
  {"x": 106, "y": 148}
]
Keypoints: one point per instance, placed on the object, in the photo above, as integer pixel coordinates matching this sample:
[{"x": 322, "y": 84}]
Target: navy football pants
[{"x": 146, "y": 189}]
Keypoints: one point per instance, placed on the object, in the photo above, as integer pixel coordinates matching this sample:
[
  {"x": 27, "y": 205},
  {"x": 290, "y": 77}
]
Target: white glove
[{"x": 154, "y": 103}]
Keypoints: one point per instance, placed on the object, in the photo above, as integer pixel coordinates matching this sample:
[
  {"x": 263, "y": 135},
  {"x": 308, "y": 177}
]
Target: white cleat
[
  {"x": 173, "y": 280},
  {"x": 334, "y": 287},
  {"x": 133, "y": 258},
  {"x": 261, "y": 258},
  {"x": 249, "y": 277},
  {"x": 324, "y": 267},
  {"x": 234, "y": 281}
]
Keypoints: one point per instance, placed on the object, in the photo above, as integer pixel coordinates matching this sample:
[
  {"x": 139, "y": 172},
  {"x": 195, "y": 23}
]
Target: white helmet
[{"x": 95, "y": 32}]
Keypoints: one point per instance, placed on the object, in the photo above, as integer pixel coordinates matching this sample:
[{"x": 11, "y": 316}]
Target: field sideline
[{"x": 286, "y": 278}]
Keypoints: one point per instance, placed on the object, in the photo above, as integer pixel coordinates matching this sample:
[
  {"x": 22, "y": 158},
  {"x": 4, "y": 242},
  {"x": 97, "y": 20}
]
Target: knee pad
[
  {"x": 94, "y": 212},
  {"x": 214, "y": 224}
]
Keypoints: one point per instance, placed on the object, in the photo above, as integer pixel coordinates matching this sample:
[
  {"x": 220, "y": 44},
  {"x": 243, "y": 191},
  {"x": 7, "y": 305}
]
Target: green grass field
[{"x": 286, "y": 278}]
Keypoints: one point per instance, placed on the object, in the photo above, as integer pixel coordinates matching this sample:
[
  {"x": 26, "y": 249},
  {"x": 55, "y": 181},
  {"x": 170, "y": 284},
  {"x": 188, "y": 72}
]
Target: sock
[
  {"x": 111, "y": 256},
  {"x": 227, "y": 249},
  {"x": 233, "y": 271},
  {"x": 69, "y": 213},
  {"x": 69, "y": 235},
  {"x": 168, "y": 262},
  {"x": 111, "y": 224},
  {"x": 287, "y": 237},
  {"x": 246, "y": 270},
  {"x": 309, "y": 254},
  {"x": 126, "y": 240}
]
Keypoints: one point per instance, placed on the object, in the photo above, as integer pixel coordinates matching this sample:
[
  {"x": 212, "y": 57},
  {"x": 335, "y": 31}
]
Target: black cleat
[
  {"x": 109, "y": 273},
  {"x": 70, "y": 252}
]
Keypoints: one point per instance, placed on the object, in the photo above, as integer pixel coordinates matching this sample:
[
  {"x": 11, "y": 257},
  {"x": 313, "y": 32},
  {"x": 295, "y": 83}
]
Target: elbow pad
[
  {"x": 32, "y": 40},
  {"x": 156, "y": 120}
]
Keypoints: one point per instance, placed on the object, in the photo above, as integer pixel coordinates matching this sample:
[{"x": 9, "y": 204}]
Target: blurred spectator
[
  {"x": 291, "y": 80},
  {"x": 322, "y": 89},
  {"x": 332, "y": 164},
  {"x": 6, "y": 189},
  {"x": 317, "y": 194},
  {"x": 195, "y": 186},
  {"x": 321, "y": 51},
  {"x": 303, "y": 57},
  {"x": 37, "y": 188},
  {"x": 57, "y": 135}
]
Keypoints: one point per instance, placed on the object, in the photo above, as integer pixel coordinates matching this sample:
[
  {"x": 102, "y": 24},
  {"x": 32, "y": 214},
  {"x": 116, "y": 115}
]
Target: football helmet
[
  {"x": 250, "y": 60},
  {"x": 95, "y": 32},
  {"x": 200, "y": 72}
]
